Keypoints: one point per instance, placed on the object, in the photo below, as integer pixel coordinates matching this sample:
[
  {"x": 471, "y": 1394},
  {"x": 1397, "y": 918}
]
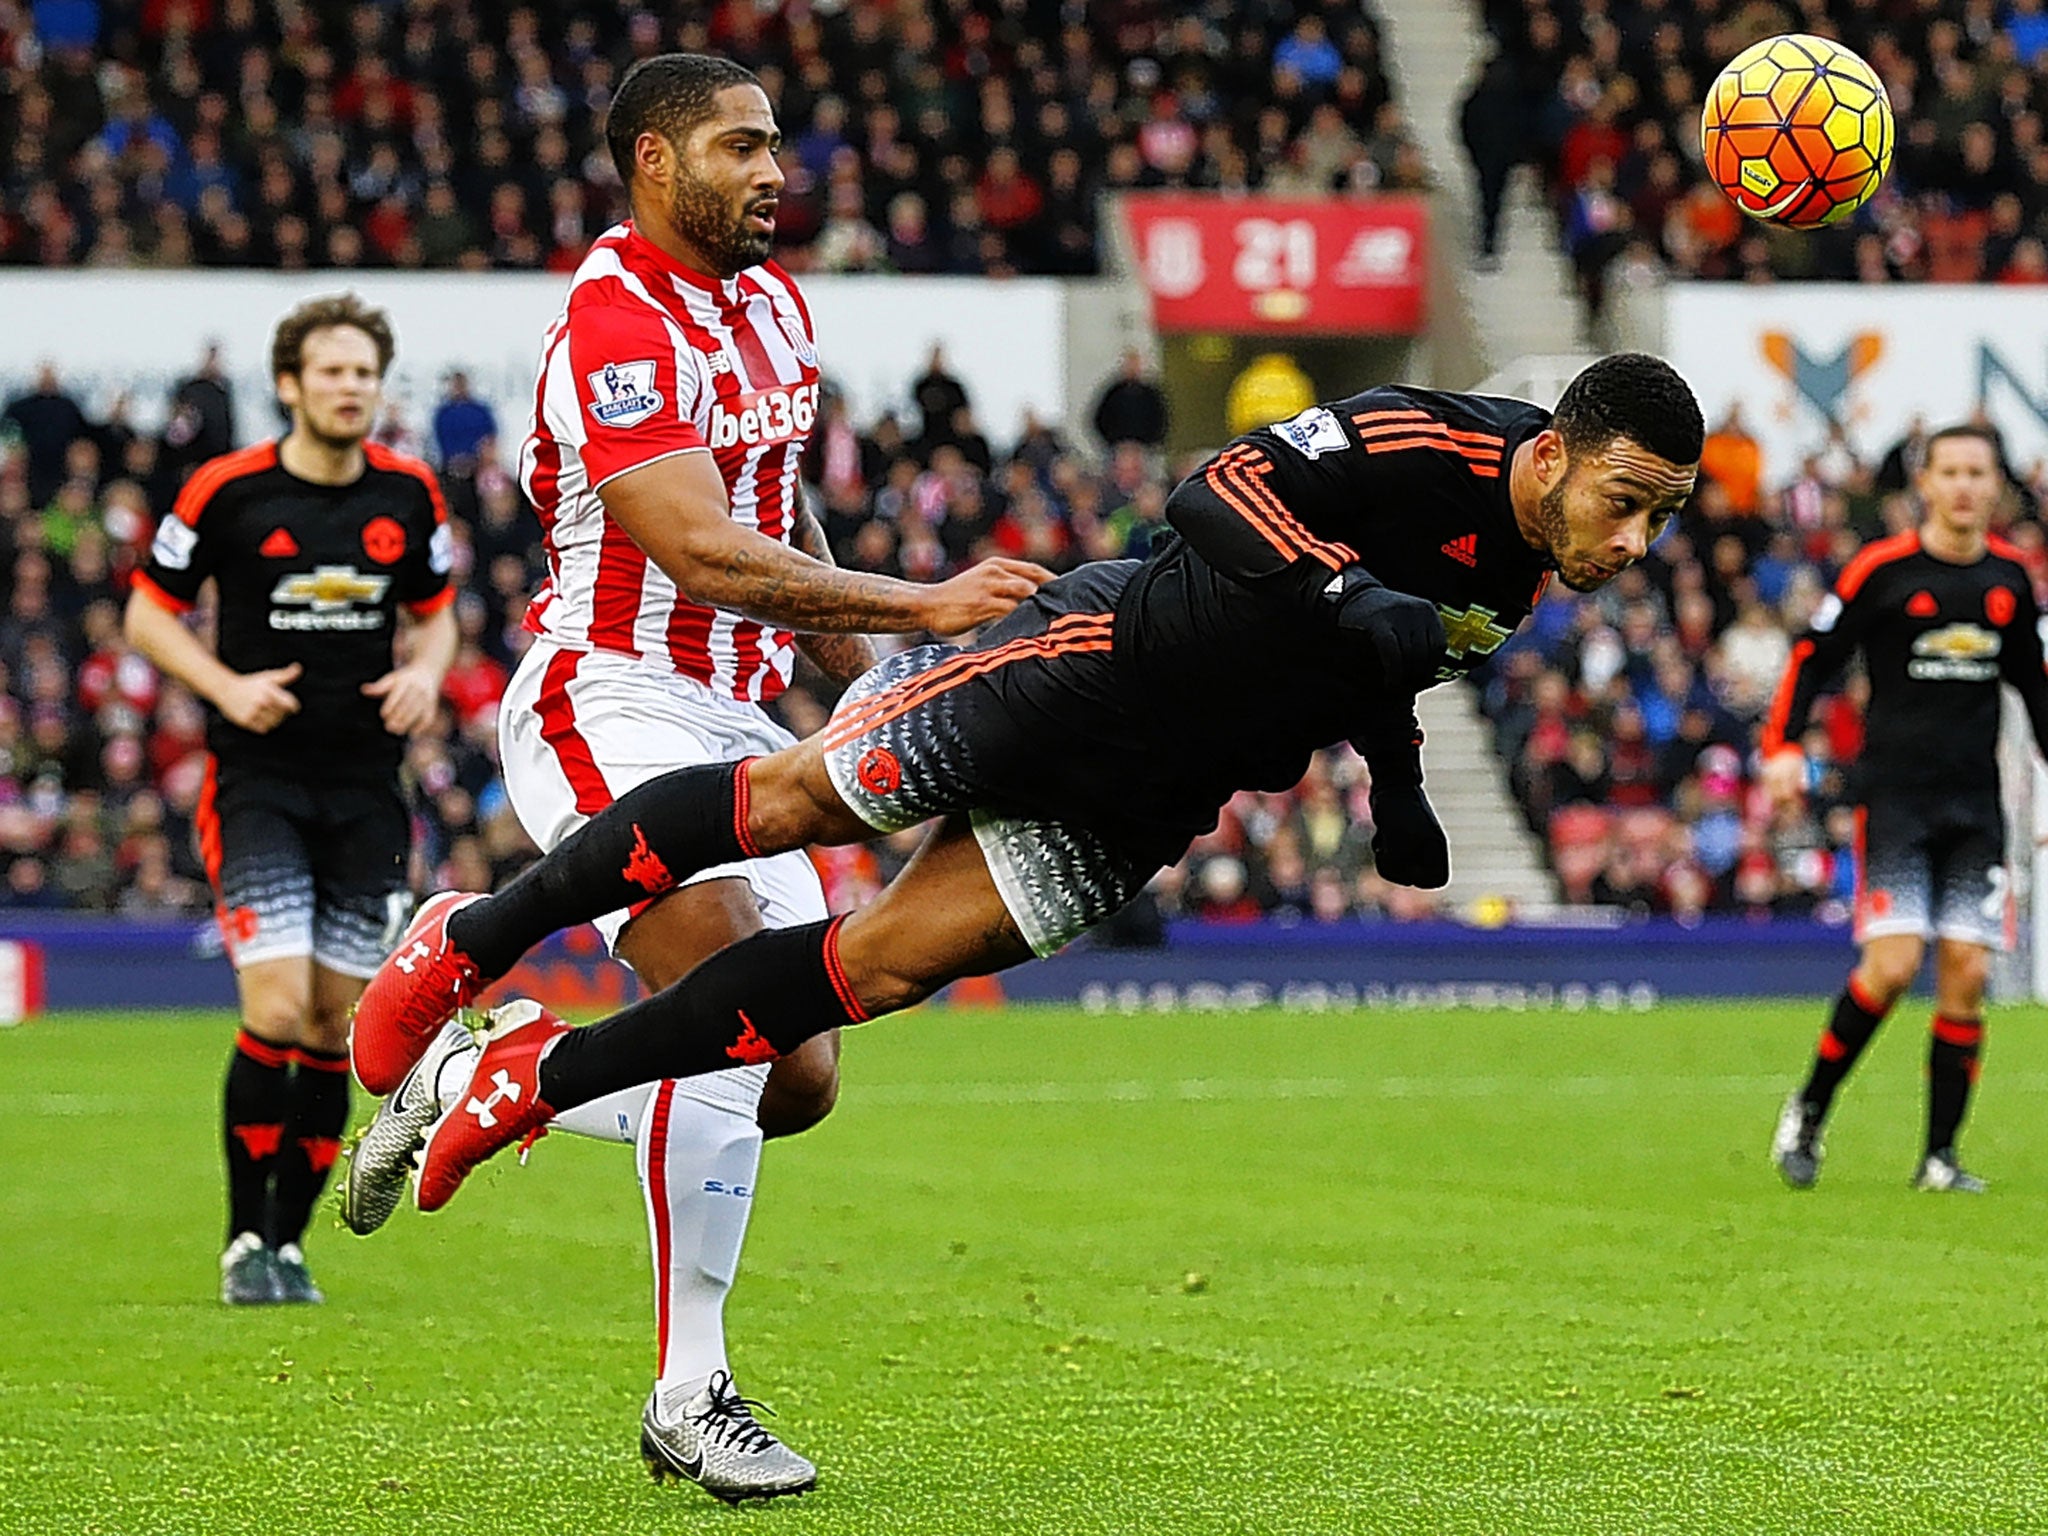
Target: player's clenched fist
[
  {"x": 981, "y": 594},
  {"x": 1408, "y": 843},
  {"x": 257, "y": 701},
  {"x": 1406, "y": 632}
]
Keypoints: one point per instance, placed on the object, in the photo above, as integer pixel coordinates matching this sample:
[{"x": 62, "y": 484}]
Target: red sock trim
[
  {"x": 837, "y": 972},
  {"x": 1863, "y": 999},
  {"x": 657, "y": 1206},
  {"x": 262, "y": 1052},
  {"x": 1830, "y": 1048},
  {"x": 1964, "y": 1032},
  {"x": 321, "y": 1151},
  {"x": 320, "y": 1061},
  {"x": 742, "y": 797}
]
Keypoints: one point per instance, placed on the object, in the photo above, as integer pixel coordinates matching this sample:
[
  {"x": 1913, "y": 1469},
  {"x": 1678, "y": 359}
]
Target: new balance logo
[
  {"x": 1464, "y": 550},
  {"x": 505, "y": 1091},
  {"x": 410, "y": 960}
]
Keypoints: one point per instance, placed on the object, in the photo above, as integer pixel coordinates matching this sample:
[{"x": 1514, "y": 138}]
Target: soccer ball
[{"x": 1797, "y": 131}]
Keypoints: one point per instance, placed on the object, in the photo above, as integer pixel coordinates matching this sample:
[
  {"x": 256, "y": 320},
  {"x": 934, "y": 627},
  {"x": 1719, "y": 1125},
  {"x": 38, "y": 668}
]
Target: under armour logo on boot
[
  {"x": 506, "y": 1090},
  {"x": 410, "y": 960}
]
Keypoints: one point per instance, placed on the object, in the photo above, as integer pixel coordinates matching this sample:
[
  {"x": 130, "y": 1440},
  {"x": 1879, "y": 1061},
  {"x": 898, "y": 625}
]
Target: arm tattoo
[{"x": 841, "y": 658}]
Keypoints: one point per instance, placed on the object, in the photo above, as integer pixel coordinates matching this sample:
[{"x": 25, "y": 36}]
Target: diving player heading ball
[{"x": 1326, "y": 570}]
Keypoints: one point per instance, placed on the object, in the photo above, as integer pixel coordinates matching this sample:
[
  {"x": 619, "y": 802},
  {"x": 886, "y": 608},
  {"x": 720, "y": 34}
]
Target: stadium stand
[
  {"x": 444, "y": 133},
  {"x": 930, "y": 138},
  {"x": 1603, "y": 99}
]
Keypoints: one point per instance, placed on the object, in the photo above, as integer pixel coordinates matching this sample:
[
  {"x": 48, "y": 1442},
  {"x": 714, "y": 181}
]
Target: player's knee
[
  {"x": 790, "y": 800},
  {"x": 279, "y": 1017},
  {"x": 1961, "y": 973},
  {"x": 792, "y": 1110},
  {"x": 326, "y": 1028},
  {"x": 1888, "y": 975}
]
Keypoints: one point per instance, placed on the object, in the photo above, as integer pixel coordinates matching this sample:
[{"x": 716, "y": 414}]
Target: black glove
[
  {"x": 1407, "y": 840},
  {"x": 1406, "y": 632}
]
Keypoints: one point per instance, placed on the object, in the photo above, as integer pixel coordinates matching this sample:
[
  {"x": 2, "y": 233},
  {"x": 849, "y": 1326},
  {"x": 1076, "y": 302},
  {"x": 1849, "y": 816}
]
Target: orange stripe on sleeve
[
  {"x": 1336, "y": 556},
  {"x": 1870, "y": 558},
  {"x": 381, "y": 457},
  {"x": 209, "y": 477},
  {"x": 426, "y": 607},
  {"x": 1224, "y": 482},
  {"x": 1781, "y": 702},
  {"x": 158, "y": 595}
]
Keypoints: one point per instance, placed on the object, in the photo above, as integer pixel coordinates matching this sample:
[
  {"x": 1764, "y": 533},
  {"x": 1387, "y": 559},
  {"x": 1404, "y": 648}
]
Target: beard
[
  {"x": 1557, "y": 533},
  {"x": 705, "y": 218}
]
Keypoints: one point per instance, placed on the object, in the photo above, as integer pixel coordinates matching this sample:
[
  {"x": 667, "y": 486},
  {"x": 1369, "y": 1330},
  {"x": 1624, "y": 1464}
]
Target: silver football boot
[
  {"x": 1796, "y": 1146},
  {"x": 1941, "y": 1174},
  {"x": 713, "y": 1440},
  {"x": 381, "y": 1160}
]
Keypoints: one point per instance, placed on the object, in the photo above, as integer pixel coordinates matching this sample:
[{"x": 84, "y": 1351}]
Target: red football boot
[
  {"x": 416, "y": 990},
  {"x": 501, "y": 1106}
]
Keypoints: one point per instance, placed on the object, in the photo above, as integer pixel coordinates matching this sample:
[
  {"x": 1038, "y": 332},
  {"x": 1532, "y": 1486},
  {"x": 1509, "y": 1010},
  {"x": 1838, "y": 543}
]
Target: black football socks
[
  {"x": 254, "y": 1107},
  {"x": 1951, "y": 1072},
  {"x": 1850, "y": 1026},
  {"x": 751, "y": 1002},
  {"x": 316, "y": 1116},
  {"x": 644, "y": 844}
]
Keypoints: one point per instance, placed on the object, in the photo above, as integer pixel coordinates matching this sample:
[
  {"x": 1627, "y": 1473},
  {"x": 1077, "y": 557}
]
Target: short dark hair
[
  {"x": 1968, "y": 430},
  {"x": 1636, "y": 396},
  {"x": 668, "y": 94},
  {"x": 288, "y": 342}
]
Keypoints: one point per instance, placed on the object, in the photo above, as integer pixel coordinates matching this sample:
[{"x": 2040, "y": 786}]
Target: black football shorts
[
  {"x": 1933, "y": 866},
  {"x": 937, "y": 730},
  {"x": 303, "y": 869}
]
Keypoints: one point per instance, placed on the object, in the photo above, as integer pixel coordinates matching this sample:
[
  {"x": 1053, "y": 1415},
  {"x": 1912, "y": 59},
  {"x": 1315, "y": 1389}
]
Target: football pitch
[{"x": 1044, "y": 1272}]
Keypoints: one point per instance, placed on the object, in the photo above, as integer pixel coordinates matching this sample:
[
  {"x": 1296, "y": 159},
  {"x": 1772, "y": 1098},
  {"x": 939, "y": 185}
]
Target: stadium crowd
[
  {"x": 1628, "y": 718},
  {"x": 1603, "y": 99},
  {"x": 922, "y": 137}
]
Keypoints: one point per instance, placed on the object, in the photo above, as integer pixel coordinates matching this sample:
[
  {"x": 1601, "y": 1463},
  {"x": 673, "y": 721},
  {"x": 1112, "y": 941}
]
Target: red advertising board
[{"x": 1238, "y": 264}]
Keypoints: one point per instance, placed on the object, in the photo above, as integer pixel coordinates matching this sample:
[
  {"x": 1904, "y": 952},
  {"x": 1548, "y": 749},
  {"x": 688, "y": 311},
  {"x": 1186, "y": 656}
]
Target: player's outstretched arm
[
  {"x": 255, "y": 701},
  {"x": 675, "y": 509},
  {"x": 1233, "y": 519},
  {"x": 1817, "y": 657},
  {"x": 842, "y": 658}
]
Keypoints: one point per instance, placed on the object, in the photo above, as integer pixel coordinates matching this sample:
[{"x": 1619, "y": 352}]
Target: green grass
[{"x": 1402, "y": 1272}]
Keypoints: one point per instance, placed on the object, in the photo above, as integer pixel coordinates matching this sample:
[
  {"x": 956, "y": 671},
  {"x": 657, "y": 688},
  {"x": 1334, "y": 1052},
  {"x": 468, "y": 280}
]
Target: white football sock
[
  {"x": 615, "y": 1117},
  {"x": 698, "y": 1154}
]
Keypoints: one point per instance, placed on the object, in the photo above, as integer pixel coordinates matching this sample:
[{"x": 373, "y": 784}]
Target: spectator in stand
[
  {"x": 1131, "y": 408},
  {"x": 462, "y": 424},
  {"x": 253, "y": 135},
  {"x": 49, "y": 421}
]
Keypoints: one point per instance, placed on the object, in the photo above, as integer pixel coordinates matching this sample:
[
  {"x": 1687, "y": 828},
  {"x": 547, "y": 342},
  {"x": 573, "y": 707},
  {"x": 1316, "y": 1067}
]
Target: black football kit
[
  {"x": 1937, "y": 639},
  {"x": 303, "y": 828}
]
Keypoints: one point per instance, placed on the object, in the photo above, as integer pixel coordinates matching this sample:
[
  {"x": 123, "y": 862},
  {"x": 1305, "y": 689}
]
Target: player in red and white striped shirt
[{"x": 676, "y": 392}]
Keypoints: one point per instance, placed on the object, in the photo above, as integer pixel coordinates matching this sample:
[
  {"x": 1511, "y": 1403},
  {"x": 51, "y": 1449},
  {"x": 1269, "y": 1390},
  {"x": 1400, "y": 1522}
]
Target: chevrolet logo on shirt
[
  {"x": 1469, "y": 634},
  {"x": 326, "y": 598},
  {"x": 1955, "y": 653}
]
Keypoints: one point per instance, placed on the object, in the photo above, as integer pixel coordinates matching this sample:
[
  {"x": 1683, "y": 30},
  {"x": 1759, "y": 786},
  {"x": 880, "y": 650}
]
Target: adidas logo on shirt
[{"x": 1464, "y": 550}]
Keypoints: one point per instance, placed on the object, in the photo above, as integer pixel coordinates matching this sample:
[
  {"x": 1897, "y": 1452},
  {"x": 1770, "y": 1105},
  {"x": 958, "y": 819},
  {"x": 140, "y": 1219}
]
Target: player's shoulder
[
  {"x": 1388, "y": 406},
  {"x": 1876, "y": 557},
  {"x": 222, "y": 474},
  {"x": 403, "y": 467},
  {"x": 2003, "y": 552}
]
